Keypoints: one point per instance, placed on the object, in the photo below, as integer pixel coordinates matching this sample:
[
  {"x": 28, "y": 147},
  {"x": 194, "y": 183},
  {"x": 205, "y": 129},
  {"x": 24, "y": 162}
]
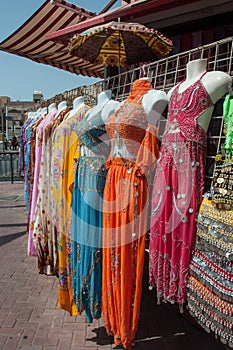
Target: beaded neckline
[{"x": 190, "y": 86}]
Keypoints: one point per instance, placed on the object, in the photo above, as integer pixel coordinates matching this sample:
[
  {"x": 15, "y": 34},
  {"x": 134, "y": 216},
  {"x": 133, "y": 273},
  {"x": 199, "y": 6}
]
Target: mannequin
[
  {"x": 87, "y": 207},
  {"x": 107, "y": 106},
  {"x": 78, "y": 102},
  {"x": 105, "y": 103},
  {"x": 154, "y": 103},
  {"x": 134, "y": 149},
  {"x": 215, "y": 82},
  {"x": 62, "y": 105},
  {"x": 179, "y": 180},
  {"x": 51, "y": 107},
  {"x": 43, "y": 111}
]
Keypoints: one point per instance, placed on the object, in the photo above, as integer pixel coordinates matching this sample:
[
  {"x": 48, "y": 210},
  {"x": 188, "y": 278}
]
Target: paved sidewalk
[{"x": 30, "y": 319}]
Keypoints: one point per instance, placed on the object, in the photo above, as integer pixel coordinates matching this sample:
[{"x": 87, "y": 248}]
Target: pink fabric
[
  {"x": 177, "y": 193},
  {"x": 38, "y": 150}
]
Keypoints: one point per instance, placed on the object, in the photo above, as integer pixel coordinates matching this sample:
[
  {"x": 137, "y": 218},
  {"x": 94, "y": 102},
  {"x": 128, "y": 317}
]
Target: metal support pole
[
  {"x": 12, "y": 170},
  {"x": 7, "y": 125},
  {"x": 2, "y": 116}
]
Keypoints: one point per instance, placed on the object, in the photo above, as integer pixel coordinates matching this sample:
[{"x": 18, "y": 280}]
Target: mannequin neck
[
  {"x": 43, "y": 111},
  {"x": 51, "y": 107},
  {"x": 78, "y": 101},
  {"x": 195, "y": 69},
  {"x": 104, "y": 96},
  {"x": 62, "y": 105}
]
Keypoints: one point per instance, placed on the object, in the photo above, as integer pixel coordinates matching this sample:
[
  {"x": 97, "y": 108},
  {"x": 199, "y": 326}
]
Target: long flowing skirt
[
  {"x": 176, "y": 196},
  {"x": 87, "y": 236},
  {"x": 125, "y": 217}
]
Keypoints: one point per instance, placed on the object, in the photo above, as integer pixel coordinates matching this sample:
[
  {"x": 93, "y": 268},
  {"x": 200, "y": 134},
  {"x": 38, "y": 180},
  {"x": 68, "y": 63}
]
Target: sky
[{"x": 19, "y": 77}]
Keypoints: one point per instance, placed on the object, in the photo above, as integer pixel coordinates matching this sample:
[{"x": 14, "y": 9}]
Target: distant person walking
[
  {"x": 14, "y": 142},
  {"x": 5, "y": 143}
]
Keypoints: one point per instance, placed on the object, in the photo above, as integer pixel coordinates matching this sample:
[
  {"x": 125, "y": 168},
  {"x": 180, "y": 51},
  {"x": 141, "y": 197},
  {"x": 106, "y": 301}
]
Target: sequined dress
[
  {"x": 177, "y": 193},
  {"x": 125, "y": 214},
  {"x": 87, "y": 215},
  {"x": 210, "y": 281}
]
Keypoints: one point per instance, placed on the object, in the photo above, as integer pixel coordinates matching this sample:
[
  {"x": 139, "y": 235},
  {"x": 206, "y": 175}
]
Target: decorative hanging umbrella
[{"x": 120, "y": 44}]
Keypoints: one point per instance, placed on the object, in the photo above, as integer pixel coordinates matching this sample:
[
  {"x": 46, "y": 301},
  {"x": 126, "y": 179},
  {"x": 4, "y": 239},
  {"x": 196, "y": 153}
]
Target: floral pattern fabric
[{"x": 64, "y": 162}]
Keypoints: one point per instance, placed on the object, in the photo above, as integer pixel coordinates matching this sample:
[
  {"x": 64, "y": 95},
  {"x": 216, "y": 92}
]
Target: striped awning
[{"x": 30, "y": 41}]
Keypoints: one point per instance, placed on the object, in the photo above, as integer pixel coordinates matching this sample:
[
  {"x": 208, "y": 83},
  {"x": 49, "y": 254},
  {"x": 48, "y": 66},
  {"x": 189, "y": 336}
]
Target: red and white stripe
[{"x": 30, "y": 40}]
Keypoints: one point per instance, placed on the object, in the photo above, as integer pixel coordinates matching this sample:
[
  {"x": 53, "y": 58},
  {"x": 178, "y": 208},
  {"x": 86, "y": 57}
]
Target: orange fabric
[
  {"x": 140, "y": 87},
  {"x": 125, "y": 223}
]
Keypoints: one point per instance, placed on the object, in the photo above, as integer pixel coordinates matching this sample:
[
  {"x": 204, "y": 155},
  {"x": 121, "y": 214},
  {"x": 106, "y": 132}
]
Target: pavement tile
[
  {"x": 30, "y": 347},
  {"x": 79, "y": 338},
  {"x": 11, "y": 332},
  {"x": 10, "y": 320},
  {"x": 3, "y": 339},
  {"x": 31, "y": 320},
  {"x": 11, "y": 344},
  {"x": 25, "y": 314},
  {"x": 45, "y": 341}
]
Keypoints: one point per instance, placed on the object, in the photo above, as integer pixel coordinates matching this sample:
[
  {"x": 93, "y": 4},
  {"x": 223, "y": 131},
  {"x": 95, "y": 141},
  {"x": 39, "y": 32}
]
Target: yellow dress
[{"x": 65, "y": 155}]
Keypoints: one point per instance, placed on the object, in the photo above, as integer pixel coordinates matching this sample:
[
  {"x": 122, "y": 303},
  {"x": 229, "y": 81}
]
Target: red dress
[{"x": 177, "y": 192}]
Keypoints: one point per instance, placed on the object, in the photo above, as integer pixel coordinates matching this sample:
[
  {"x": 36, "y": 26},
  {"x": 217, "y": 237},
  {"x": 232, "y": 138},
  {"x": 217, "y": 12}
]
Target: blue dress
[{"x": 87, "y": 215}]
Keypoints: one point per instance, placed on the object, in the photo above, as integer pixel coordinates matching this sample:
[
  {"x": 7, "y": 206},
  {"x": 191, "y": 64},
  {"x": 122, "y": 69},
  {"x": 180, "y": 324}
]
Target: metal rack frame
[{"x": 165, "y": 74}]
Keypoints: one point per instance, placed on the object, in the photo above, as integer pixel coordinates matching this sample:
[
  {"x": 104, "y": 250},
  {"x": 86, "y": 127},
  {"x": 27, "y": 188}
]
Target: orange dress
[{"x": 125, "y": 214}]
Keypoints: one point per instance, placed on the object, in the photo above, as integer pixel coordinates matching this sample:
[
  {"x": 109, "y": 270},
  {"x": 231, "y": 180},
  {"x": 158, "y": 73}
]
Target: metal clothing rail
[
  {"x": 165, "y": 74},
  {"x": 10, "y": 166}
]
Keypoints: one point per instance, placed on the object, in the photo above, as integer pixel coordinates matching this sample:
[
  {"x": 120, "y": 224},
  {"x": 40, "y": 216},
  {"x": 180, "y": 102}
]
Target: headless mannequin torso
[
  {"x": 105, "y": 103},
  {"x": 62, "y": 105},
  {"x": 107, "y": 106},
  {"x": 216, "y": 84},
  {"x": 78, "y": 102},
  {"x": 51, "y": 107},
  {"x": 154, "y": 103}
]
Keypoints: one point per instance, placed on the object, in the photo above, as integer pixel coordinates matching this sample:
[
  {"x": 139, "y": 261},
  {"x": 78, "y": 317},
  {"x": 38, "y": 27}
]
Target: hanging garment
[
  {"x": 31, "y": 165},
  {"x": 210, "y": 281},
  {"x": 87, "y": 215},
  {"x": 38, "y": 154},
  {"x": 177, "y": 193},
  {"x": 125, "y": 214},
  {"x": 44, "y": 233},
  {"x": 28, "y": 127},
  {"x": 64, "y": 161},
  {"x": 223, "y": 172}
]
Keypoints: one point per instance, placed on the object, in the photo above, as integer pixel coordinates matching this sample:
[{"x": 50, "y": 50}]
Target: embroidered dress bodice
[
  {"x": 184, "y": 110},
  {"x": 91, "y": 132},
  {"x": 127, "y": 127}
]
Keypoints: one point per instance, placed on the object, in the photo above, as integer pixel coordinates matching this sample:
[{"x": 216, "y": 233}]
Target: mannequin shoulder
[
  {"x": 170, "y": 92},
  {"x": 216, "y": 84},
  {"x": 154, "y": 103},
  {"x": 109, "y": 109}
]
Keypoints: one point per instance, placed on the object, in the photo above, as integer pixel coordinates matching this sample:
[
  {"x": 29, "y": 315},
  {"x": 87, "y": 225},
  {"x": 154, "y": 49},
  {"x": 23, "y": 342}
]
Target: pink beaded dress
[{"x": 177, "y": 193}]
